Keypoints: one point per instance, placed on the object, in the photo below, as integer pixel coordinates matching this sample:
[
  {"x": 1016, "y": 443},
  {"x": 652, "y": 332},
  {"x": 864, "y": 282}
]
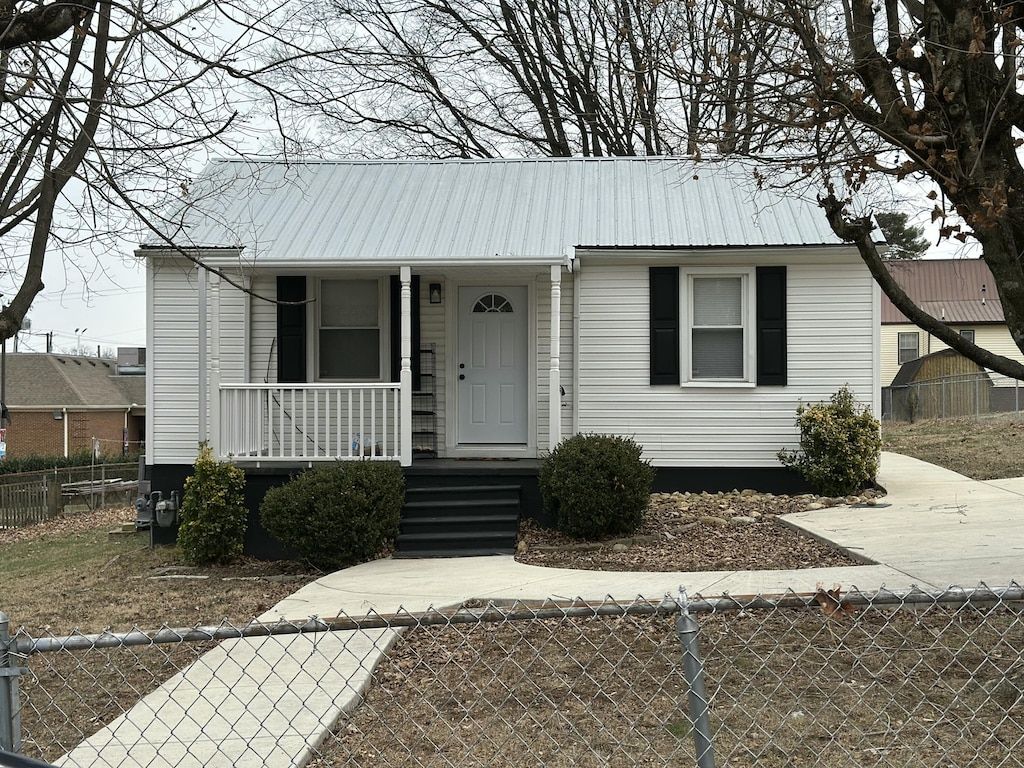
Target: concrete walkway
[
  {"x": 271, "y": 701},
  {"x": 935, "y": 527}
]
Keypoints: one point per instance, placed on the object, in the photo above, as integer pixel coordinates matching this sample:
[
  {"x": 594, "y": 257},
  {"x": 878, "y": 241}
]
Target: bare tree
[
  {"x": 859, "y": 96},
  {"x": 105, "y": 106},
  {"x": 482, "y": 78}
]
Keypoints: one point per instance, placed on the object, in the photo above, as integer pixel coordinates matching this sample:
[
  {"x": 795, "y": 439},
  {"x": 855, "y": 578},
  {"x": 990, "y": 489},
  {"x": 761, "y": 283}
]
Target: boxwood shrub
[
  {"x": 596, "y": 486},
  {"x": 336, "y": 515}
]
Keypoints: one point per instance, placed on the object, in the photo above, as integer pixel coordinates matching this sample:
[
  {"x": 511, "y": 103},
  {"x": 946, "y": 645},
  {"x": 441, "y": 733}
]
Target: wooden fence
[{"x": 32, "y": 497}]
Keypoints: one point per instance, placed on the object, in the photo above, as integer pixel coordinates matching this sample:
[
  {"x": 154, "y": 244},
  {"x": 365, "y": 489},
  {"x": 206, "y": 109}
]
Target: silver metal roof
[{"x": 479, "y": 211}]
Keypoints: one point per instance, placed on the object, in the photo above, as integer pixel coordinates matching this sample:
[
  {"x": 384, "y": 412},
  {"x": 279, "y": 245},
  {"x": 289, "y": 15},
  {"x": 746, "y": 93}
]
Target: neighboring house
[
  {"x": 961, "y": 292},
  {"x": 484, "y": 309},
  {"x": 65, "y": 404}
]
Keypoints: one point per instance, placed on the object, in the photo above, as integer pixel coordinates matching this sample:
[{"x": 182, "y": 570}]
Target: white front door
[{"x": 492, "y": 369}]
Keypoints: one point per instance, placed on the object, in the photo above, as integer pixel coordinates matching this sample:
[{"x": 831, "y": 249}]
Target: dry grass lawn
[
  {"x": 984, "y": 450},
  {"x": 71, "y": 575}
]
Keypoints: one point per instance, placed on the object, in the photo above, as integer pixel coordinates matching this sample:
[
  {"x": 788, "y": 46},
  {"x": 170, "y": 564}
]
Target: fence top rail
[
  {"x": 300, "y": 387},
  {"x": 476, "y": 612}
]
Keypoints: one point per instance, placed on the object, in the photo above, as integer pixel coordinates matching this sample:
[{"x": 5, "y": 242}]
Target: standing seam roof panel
[{"x": 473, "y": 211}]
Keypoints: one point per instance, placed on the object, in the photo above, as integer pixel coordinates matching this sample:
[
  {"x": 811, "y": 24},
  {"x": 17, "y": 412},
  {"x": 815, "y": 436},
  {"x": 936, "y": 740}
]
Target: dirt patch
[{"x": 984, "y": 450}]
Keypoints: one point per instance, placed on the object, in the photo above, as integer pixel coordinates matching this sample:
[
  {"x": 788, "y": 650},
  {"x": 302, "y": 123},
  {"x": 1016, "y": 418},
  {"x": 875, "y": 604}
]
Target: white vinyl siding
[
  {"x": 173, "y": 370},
  {"x": 263, "y": 330},
  {"x": 832, "y": 313}
]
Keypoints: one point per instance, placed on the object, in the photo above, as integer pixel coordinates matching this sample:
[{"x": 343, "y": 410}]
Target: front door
[{"x": 492, "y": 366}]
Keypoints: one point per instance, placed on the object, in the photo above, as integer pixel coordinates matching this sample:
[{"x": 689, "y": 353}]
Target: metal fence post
[
  {"x": 693, "y": 671},
  {"x": 10, "y": 703}
]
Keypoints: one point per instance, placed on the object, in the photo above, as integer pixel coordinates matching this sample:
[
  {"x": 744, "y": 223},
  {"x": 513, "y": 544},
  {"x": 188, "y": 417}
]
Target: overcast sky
[{"x": 109, "y": 311}]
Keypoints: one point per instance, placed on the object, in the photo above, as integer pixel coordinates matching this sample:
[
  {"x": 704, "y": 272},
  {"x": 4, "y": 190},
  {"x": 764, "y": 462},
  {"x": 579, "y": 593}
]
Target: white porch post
[
  {"x": 215, "y": 436},
  {"x": 405, "y": 378},
  {"x": 201, "y": 370},
  {"x": 555, "y": 373}
]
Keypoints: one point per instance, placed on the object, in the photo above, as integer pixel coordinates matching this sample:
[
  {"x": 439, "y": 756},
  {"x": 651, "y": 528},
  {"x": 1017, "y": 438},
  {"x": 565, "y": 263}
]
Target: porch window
[
  {"x": 909, "y": 347},
  {"x": 349, "y": 338}
]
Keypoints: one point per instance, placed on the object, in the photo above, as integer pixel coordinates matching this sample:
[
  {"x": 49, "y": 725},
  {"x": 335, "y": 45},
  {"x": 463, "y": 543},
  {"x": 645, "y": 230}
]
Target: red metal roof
[{"x": 954, "y": 290}]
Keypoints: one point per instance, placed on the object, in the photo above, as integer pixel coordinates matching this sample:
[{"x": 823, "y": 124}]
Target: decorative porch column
[
  {"x": 405, "y": 377},
  {"x": 555, "y": 373}
]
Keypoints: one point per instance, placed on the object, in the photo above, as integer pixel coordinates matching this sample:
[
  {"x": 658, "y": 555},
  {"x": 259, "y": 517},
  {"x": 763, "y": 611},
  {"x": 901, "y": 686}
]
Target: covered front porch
[{"x": 438, "y": 404}]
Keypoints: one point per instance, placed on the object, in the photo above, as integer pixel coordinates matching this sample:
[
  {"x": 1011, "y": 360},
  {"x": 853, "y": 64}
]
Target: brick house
[{"x": 64, "y": 404}]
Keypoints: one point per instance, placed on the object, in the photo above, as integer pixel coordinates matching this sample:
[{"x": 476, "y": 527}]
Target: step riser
[
  {"x": 458, "y": 495},
  {"x": 497, "y": 543},
  {"x": 441, "y": 525},
  {"x": 465, "y": 508}
]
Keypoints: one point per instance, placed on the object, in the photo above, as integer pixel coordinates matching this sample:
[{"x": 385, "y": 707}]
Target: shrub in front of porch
[
  {"x": 213, "y": 513},
  {"x": 596, "y": 486},
  {"x": 336, "y": 515}
]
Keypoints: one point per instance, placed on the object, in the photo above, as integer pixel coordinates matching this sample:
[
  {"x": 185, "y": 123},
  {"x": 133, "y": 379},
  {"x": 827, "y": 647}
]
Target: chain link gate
[{"x": 833, "y": 678}]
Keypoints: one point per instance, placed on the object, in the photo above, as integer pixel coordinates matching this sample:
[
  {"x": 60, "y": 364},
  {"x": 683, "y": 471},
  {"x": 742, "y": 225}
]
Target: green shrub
[
  {"x": 337, "y": 515},
  {"x": 596, "y": 486},
  {"x": 840, "y": 445},
  {"x": 213, "y": 513},
  {"x": 11, "y": 465}
]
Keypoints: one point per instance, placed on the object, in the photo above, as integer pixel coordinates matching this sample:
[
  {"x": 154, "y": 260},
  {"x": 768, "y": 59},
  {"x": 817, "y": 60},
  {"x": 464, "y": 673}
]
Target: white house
[{"x": 484, "y": 309}]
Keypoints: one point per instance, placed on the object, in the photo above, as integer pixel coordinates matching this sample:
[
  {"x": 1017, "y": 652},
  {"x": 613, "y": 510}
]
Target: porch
[{"x": 426, "y": 405}]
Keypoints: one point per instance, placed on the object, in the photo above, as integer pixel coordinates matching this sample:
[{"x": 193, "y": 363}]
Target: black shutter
[
  {"x": 396, "y": 329},
  {"x": 664, "y": 325},
  {"x": 771, "y": 326},
  {"x": 291, "y": 329}
]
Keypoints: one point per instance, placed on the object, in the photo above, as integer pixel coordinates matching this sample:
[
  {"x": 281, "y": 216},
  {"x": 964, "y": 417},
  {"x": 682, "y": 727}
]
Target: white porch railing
[{"x": 277, "y": 423}]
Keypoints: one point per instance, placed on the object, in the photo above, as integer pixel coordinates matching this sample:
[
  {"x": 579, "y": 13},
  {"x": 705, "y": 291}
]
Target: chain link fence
[{"x": 833, "y": 678}]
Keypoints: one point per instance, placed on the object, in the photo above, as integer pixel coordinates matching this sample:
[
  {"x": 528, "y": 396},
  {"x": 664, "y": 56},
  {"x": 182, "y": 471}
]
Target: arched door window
[{"x": 493, "y": 302}]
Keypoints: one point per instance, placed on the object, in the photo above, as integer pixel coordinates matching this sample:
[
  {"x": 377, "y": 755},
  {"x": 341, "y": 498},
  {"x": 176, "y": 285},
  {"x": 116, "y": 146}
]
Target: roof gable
[{"x": 473, "y": 211}]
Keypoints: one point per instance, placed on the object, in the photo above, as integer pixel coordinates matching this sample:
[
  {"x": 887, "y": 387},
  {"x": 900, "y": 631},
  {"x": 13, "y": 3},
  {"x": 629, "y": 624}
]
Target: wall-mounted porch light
[{"x": 435, "y": 293}]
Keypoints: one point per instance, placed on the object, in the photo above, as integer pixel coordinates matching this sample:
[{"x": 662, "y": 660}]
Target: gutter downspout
[{"x": 64, "y": 413}]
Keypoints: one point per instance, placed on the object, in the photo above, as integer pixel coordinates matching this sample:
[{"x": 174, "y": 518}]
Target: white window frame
[
  {"x": 383, "y": 341},
  {"x": 900, "y": 348},
  {"x": 968, "y": 333},
  {"x": 748, "y": 313}
]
